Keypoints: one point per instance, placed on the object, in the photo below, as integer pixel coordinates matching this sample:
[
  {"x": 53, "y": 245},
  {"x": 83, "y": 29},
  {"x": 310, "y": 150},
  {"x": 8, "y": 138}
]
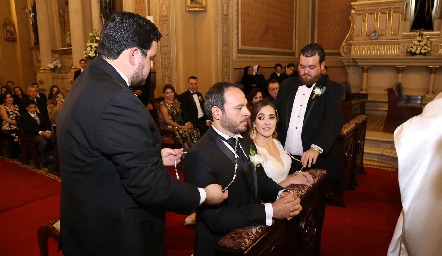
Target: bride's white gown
[{"x": 271, "y": 166}]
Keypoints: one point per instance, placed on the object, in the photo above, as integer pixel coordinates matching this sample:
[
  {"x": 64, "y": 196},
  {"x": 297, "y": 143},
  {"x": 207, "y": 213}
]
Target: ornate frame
[
  {"x": 9, "y": 30},
  {"x": 196, "y": 5}
]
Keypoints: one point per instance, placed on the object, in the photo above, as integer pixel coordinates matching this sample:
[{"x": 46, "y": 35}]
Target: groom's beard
[{"x": 307, "y": 79}]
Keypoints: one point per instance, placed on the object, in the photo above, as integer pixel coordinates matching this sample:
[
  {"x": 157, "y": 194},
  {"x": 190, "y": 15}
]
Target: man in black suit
[
  {"x": 212, "y": 160},
  {"x": 273, "y": 89},
  {"x": 40, "y": 100},
  {"x": 277, "y": 73},
  {"x": 288, "y": 72},
  {"x": 310, "y": 117},
  {"x": 115, "y": 188},
  {"x": 36, "y": 126},
  {"x": 83, "y": 65},
  {"x": 192, "y": 106}
]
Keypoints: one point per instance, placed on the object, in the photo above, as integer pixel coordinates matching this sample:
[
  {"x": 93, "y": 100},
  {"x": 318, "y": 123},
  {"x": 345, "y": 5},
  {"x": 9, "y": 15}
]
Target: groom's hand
[{"x": 214, "y": 194}]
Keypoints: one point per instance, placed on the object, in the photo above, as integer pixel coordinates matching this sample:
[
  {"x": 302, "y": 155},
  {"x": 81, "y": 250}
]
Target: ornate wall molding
[{"x": 225, "y": 42}]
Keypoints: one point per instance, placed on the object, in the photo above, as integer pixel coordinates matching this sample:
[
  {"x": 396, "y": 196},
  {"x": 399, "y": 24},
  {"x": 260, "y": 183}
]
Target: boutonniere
[
  {"x": 318, "y": 91},
  {"x": 254, "y": 157},
  {"x": 200, "y": 98}
]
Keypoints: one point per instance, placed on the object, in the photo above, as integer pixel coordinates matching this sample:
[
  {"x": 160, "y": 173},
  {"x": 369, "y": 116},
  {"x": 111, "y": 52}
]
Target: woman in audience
[
  {"x": 18, "y": 95},
  {"x": 171, "y": 112},
  {"x": 9, "y": 112},
  {"x": 3, "y": 91},
  {"x": 274, "y": 159},
  {"x": 254, "y": 96},
  {"x": 52, "y": 91},
  {"x": 248, "y": 80},
  {"x": 54, "y": 106}
]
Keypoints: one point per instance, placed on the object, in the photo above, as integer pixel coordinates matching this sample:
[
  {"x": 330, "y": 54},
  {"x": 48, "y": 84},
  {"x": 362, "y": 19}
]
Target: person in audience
[
  {"x": 4, "y": 89},
  {"x": 254, "y": 96},
  {"x": 115, "y": 188},
  {"x": 310, "y": 117},
  {"x": 275, "y": 160},
  {"x": 288, "y": 72},
  {"x": 52, "y": 91},
  {"x": 40, "y": 95},
  {"x": 260, "y": 80},
  {"x": 171, "y": 112},
  {"x": 222, "y": 156},
  {"x": 324, "y": 71},
  {"x": 418, "y": 144},
  {"x": 273, "y": 89},
  {"x": 41, "y": 102},
  {"x": 10, "y": 84},
  {"x": 54, "y": 107},
  {"x": 192, "y": 106},
  {"x": 36, "y": 126},
  {"x": 83, "y": 65},
  {"x": 277, "y": 73},
  {"x": 9, "y": 112},
  {"x": 19, "y": 95},
  {"x": 248, "y": 80}
]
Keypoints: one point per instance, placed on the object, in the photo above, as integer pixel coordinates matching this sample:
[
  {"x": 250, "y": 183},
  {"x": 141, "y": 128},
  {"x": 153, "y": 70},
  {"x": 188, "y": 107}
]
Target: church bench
[
  {"x": 353, "y": 102},
  {"x": 299, "y": 236}
]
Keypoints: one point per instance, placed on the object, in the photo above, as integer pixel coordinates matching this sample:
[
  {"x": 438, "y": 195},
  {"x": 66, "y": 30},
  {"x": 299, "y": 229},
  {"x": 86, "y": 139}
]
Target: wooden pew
[{"x": 299, "y": 236}]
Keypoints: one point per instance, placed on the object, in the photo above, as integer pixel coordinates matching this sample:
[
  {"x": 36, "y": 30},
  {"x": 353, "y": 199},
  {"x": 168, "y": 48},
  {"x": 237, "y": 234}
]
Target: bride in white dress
[{"x": 275, "y": 161}]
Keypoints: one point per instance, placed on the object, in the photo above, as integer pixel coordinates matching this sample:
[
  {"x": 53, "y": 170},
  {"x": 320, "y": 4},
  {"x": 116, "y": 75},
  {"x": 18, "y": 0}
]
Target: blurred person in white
[{"x": 418, "y": 144}]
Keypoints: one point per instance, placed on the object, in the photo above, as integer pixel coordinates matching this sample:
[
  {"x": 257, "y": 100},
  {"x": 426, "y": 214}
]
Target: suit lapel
[{"x": 290, "y": 100}]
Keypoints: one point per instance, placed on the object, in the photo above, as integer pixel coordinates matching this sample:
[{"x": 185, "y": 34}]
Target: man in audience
[
  {"x": 212, "y": 159},
  {"x": 273, "y": 89},
  {"x": 277, "y": 73},
  {"x": 42, "y": 105},
  {"x": 310, "y": 118},
  {"x": 11, "y": 86},
  {"x": 40, "y": 95},
  {"x": 288, "y": 72},
  {"x": 83, "y": 65},
  {"x": 36, "y": 126},
  {"x": 192, "y": 106},
  {"x": 418, "y": 143},
  {"x": 115, "y": 189}
]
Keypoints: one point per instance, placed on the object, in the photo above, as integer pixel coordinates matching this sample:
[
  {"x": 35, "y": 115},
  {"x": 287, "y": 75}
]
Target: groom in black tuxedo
[
  {"x": 310, "y": 118},
  {"x": 192, "y": 106},
  {"x": 212, "y": 160}
]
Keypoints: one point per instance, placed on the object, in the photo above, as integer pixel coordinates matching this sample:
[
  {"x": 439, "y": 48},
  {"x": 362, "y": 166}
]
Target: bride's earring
[{"x": 254, "y": 130}]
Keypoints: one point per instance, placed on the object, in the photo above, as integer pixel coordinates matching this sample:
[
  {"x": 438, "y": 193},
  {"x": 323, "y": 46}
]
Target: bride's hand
[{"x": 301, "y": 178}]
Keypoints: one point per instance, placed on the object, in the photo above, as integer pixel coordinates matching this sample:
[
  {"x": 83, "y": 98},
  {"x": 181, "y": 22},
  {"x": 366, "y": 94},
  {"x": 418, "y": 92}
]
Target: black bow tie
[{"x": 192, "y": 93}]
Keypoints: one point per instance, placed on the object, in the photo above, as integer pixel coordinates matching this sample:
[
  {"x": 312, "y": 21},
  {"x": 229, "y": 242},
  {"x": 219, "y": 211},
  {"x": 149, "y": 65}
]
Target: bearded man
[{"x": 310, "y": 118}]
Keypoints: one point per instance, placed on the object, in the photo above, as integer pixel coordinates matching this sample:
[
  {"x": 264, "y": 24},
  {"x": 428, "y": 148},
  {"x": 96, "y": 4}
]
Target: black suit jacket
[
  {"x": 323, "y": 121},
  {"x": 188, "y": 106},
  {"x": 30, "y": 125},
  {"x": 77, "y": 73},
  {"x": 115, "y": 188},
  {"x": 42, "y": 104},
  {"x": 210, "y": 161}
]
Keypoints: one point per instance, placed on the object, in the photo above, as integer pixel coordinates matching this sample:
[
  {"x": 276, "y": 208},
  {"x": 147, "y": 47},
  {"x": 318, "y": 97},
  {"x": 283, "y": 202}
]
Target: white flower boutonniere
[
  {"x": 200, "y": 98},
  {"x": 318, "y": 91},
  {"x": 254, "y": 157}
]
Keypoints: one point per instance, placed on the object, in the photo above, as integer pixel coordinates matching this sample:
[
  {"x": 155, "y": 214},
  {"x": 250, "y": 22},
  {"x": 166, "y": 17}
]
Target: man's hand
[
  {"x": 138, "y": 92},
  {"x": 309, "y": 157},
  {"x": 47, "y": 134},
  {"x": 214, "y": 194},
  {"x": 169, "y": 156},
  {"x": 188, "y": 125},
  {"x": 286, "y": 207}
]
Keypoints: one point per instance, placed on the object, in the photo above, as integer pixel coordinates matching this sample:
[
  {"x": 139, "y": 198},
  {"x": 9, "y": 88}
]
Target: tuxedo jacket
[
  {"x": 188, "y": 106},
  {"x": 115, "y": 188},
  {"x": 77, "y": 73},
  {"x": 31, "y": 126},
  {"x": 323, "y": 120},
  {"x": 210, "y": 161}
]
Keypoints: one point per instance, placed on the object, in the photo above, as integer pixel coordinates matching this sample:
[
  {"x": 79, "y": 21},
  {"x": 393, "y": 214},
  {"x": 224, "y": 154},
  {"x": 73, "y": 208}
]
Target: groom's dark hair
[{"x": 215, "y": 96}]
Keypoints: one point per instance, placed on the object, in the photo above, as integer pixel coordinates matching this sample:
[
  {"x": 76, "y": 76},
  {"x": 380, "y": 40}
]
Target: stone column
[
  {"x": 78, "y": 39},
  {"x": 433, "y": 71},
  {"x": 400, "y": 73},
  {"x": 96, "y": 17},
  {"x": 44, "y": 31},
  {"x": 364, "y": 78}
]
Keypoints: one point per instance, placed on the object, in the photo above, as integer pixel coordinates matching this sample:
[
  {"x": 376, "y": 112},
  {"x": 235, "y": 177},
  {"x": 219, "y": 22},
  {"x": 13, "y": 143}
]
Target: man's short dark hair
[
  {"x": 191, "y": 77},
  {"x": 291, "y": 65},
  {"x": 34, "y": 84},
  {"x": 81, "y": 60},
  {"x": 9, "y": 82},
  {"x": 124, "y": 30},
  {"x": 215, "y": 96},
  {"x": 28, "y": 102},
  {"x": 311, "y": 50},
  {"x": 272, "y": 81},
  {"x": 278, "y": 65}
]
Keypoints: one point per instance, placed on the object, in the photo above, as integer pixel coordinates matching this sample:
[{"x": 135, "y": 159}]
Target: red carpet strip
[{"x": 29, "y": 199}]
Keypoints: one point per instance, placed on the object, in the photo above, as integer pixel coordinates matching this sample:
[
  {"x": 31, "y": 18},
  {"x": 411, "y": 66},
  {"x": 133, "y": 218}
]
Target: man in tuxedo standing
[
  {"x": 83, "y": 65},
  {"x": 222, "y": 156},
  {"x": 115, "y": 188},
  {"x": 192, "y": 106},
  {"x": 310, "y": 118}
]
